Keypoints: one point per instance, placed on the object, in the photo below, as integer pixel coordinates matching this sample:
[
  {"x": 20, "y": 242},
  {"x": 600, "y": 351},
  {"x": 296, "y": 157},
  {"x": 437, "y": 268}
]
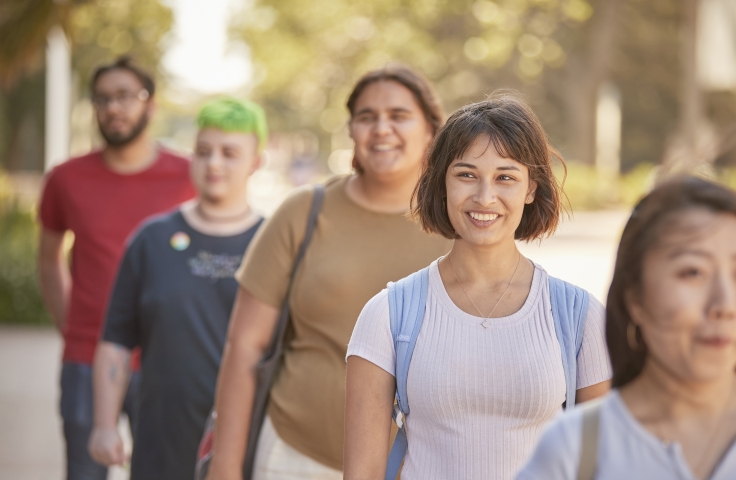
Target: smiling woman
[
  {"x": 671, "y": 330},
  {"x": 507, "y": 133},
  {"x": 362, "y": 239},
  {"x": 394, "y": 113},
  {"x": 497, "y": 356}
]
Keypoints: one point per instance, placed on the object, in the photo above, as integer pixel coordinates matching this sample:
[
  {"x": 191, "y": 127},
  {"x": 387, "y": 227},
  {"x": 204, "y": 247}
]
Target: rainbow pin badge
[{"x": 180, "y": 241}]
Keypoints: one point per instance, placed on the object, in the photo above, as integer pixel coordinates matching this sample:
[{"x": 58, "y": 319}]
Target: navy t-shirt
[{"x": 172, "y": 297}]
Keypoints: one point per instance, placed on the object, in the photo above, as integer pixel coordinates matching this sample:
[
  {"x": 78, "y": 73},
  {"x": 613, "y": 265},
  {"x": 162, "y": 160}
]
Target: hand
[
  {"x": 106, "y": 447},
  {"x": 60, "y": 326}
]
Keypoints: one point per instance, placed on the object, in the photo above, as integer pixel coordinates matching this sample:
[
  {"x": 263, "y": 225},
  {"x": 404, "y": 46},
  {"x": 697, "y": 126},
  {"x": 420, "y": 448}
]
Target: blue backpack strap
[
  {"x": 569, "y": 309},
  {"x": 407, "y": 299}
]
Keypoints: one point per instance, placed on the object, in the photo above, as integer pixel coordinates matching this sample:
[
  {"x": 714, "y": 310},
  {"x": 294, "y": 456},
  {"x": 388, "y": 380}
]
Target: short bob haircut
[
  {"x": 423, "y": 92},
  {"x": 232, "y": 115},
  {"x": 654, "y": 218},
  {"x": 515, "y": 131}
]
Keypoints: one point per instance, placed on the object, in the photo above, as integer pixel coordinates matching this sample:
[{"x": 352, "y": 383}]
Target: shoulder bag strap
[
  {"x": 314, "y": 210},
  {"x": 316, "y": 207},
  {"x": 589, "y": 446}
]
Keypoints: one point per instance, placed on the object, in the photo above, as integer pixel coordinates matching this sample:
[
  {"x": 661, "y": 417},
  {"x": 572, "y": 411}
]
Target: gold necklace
[{"x": 485, "y": 323}]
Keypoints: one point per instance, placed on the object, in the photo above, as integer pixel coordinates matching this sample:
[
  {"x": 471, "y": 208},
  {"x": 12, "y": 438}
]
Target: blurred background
[{"x": 627, "y": 90}]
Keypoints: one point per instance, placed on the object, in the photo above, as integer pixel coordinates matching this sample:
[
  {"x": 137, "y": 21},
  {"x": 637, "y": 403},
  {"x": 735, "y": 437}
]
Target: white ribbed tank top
[{"x": 480, "y": 397}]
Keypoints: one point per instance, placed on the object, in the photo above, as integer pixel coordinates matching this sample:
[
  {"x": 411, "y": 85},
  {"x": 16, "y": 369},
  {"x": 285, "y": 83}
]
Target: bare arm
[
  {"x": 251, "y": 326},
  {"x": 54, "y": 276},
  {"x": 110, "y": 378},
  {"x": 592, "y": 392},
  {"x": 369, "y": 401}
]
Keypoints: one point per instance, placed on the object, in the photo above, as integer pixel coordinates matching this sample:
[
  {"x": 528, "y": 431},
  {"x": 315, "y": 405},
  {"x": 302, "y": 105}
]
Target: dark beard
[{"x": 118, "y": 140}]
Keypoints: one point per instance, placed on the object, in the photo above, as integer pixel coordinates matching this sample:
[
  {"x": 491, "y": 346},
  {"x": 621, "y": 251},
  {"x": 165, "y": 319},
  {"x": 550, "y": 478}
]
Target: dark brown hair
[
  {"x": 515, "y": 132},
  {"x": 125, "y": 63},
  {"x": 650, "y": 221}
]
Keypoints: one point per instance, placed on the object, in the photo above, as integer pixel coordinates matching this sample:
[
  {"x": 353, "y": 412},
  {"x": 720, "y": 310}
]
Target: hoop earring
[{"x": 631, "y": 338}]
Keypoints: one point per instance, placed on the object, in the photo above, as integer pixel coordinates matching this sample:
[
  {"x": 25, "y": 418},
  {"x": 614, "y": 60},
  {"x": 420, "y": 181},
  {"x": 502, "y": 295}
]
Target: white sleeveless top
[{"x": 480, "y": 395}]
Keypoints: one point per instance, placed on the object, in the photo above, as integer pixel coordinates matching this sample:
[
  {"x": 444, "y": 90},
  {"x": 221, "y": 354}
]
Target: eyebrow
[
  {"x": 392, "y": 110},
  {"x": 470, "y": 165},
  {"x": 678, "y": 252}
]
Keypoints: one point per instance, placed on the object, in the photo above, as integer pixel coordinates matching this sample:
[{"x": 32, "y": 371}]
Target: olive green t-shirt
[{"x": 353, "y": 254}]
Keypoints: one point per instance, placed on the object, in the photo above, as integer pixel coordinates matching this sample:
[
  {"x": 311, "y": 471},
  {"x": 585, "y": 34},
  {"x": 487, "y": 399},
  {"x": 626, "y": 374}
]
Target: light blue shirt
[{"x": 626, "y": 450}]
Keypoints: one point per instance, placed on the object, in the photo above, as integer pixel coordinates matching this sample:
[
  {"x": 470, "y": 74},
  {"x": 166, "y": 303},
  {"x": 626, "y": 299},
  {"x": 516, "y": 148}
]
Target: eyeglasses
[{"x": 124, "y": 99}]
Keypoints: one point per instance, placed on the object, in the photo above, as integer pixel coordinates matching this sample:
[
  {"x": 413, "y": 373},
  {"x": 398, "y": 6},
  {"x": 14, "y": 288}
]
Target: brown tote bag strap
[
  {"x": 269, "y": 364},
  {"x": 589, "y": 447},
  {"x": 280, "y": 332}
]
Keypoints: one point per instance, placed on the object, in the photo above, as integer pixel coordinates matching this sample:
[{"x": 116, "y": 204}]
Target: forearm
[
  {"x": 111, "y": 375},
  {"x": 251, "y": 328},
  {"x": 368, "y": 404},
  {"x": 55, "y": 282},
  {"x": 234, "y": 404}
]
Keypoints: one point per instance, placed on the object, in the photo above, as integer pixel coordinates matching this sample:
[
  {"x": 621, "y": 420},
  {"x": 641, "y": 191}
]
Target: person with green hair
[{"x": 173, "y": 296}]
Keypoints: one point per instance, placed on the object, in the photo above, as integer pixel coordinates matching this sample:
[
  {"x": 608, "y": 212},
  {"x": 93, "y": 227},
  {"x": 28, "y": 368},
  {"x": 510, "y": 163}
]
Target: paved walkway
[
  {"x": 31, "y": 446},
  {"x": 30, "y": 430}
]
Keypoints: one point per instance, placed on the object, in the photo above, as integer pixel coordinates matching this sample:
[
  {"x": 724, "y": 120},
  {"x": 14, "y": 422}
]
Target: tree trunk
[
  {"x": 694, "y": 144},
  {"x": 585, "y": 74},
  {"x": 581, "y": 101}
]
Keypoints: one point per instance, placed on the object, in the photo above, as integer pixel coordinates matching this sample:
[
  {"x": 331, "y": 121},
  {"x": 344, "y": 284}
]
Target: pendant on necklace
[{"x": 485, "y": 323}]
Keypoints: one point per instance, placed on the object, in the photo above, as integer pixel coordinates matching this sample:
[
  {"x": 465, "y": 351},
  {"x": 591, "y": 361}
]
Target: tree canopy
[
  {"x": 98, "y": 32},
  {"x": 307, "y": 55}
]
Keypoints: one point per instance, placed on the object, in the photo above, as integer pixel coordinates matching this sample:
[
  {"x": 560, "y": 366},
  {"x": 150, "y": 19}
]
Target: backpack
[{"x": 407, "y": 299}]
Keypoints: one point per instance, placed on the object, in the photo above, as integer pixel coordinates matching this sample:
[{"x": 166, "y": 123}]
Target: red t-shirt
[{"x": 103, "y": 208}]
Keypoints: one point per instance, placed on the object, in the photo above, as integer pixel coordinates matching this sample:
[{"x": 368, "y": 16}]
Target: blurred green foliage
[
  {"x": 98, "y": 31},
  {"x": 20, "y": 298},
  {"x": 586, "y": 189},
  {"x": 24, "y": 25},
  {"x": 102, "y": 31},
  {"x": 307, "y": 55}
]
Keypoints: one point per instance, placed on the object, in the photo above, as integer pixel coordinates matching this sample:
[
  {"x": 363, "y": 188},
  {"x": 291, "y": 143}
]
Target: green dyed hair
[{"x": 232, "y": 115}]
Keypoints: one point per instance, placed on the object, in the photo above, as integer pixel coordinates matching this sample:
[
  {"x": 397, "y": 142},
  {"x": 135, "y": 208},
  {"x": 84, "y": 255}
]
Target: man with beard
[{"x": 101, "y": 197}]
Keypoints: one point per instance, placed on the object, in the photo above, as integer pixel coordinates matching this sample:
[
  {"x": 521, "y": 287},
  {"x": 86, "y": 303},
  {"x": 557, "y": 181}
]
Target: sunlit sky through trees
[{"x": 200, "y": 56}]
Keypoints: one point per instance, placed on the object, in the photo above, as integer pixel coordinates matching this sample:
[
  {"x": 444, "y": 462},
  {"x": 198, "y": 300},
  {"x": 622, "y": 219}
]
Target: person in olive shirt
[
  {"x": 362, "y": 240},
  {"x": 173, "y": 296}
]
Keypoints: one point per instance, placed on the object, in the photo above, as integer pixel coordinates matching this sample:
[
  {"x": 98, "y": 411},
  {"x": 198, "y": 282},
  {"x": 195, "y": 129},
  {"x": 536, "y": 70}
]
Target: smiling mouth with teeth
[
  {"x": 483, "y": 217},
  {"x": 384, "y": 148}
]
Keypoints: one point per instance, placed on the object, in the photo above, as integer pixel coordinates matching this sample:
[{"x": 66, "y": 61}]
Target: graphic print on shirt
[{"x": 214, "y": 266}]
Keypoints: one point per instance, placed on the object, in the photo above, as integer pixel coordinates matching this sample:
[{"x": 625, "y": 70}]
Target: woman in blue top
[{"x": 671, "y": 333}]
